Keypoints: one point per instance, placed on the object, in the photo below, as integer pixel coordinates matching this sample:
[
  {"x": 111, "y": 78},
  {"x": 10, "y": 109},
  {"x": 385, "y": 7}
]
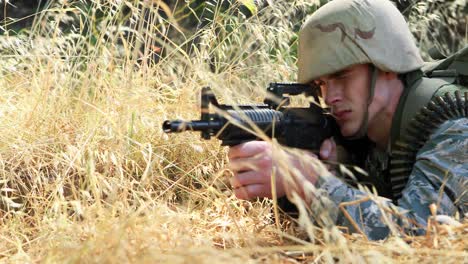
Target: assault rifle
[{"x": 298, "y": 127}]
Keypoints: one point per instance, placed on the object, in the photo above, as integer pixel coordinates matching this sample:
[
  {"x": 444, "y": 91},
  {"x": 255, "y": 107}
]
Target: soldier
[{"x": 362, "y": 55}]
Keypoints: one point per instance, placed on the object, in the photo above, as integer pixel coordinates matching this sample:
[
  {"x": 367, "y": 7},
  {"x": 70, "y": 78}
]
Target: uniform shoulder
[{"x": 451, "y": 136}]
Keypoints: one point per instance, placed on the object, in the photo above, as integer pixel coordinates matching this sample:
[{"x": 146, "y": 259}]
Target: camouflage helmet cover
[{"x": 343, "y": 33}]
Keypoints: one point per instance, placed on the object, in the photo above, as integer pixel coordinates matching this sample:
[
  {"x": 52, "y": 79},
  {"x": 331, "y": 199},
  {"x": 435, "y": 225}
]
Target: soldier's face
[{"x": 346, "y": 92}]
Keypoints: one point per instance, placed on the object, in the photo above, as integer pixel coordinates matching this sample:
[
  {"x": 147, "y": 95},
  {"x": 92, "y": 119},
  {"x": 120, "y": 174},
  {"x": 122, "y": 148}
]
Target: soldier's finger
[
  {"x": 325, "y": 149},
  {"x": 333, "y": 151},
  {"x": 253, "y": 191},
  {"x": 328, "y": 149},
  {"x": 248, "y": 178},
  {"x": 247, "y": 149},
  {"x": 243, "y": 164}
]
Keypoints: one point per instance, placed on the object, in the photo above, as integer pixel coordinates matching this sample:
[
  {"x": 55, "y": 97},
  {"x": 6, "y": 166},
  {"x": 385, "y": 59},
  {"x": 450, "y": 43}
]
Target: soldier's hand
[{"x": 252, "y": 165}]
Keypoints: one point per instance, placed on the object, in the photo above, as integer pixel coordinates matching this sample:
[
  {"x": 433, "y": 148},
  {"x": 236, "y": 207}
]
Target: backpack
[{"x": 454, "y": 66}]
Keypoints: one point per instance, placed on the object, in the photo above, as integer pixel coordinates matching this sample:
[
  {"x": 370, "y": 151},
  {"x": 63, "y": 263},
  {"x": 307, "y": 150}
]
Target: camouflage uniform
[
  {"x": 343, "y": 33},
  {"x": 442, "y": 161}
]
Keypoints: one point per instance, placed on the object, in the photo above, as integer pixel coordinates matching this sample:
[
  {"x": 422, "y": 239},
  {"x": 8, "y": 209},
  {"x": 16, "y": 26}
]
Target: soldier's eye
[
  {"x": 341, "y": 76},
  {"x": 319, "y": 82}
]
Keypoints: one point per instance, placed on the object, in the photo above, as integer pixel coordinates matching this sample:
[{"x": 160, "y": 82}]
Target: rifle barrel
[{"x": 177, "y": 126}]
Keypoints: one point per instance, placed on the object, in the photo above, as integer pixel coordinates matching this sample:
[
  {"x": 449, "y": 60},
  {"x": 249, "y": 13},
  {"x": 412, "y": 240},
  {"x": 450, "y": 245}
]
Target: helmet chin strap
[{"x": 364, "y": 125}]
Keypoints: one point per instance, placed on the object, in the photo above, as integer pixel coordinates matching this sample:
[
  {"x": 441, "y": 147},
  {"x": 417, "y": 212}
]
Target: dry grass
[{"x": 87, "y": 176}]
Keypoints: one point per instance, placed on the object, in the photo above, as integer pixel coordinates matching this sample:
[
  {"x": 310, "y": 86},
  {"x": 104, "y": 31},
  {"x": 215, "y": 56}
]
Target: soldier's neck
[{"x": 381, "y": 124}]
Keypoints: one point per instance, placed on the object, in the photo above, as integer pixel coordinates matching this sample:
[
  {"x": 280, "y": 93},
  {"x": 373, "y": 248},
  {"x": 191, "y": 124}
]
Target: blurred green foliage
[{"x": 151, "y": 28}]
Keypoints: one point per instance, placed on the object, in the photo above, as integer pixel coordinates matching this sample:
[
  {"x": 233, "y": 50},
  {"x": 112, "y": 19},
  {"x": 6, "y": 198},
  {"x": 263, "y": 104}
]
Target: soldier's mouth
[{"x": 342, "y": 115}]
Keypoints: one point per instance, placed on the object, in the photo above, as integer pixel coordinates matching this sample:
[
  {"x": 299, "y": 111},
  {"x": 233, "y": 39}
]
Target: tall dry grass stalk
[{"x": 88, "y": 176}]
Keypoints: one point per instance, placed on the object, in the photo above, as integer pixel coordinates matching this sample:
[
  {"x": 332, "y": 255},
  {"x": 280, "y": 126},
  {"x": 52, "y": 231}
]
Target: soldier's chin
[{"x": 347, "y": 130}]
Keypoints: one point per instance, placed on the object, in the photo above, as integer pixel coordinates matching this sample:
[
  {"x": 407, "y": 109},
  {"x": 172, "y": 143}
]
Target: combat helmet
[{"x": 343, "y": 33}]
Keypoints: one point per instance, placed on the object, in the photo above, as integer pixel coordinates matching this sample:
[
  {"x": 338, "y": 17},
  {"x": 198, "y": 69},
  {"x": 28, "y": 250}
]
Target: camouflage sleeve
[{"x": 439, "y": 176}]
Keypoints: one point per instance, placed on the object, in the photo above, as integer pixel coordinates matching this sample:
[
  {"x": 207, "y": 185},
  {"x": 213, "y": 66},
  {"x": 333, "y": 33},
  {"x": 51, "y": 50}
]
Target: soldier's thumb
[{"x": 326, "y": 149}]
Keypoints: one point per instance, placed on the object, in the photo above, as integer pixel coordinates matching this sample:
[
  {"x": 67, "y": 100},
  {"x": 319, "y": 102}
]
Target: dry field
[{"x": 88, "y": 176}]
